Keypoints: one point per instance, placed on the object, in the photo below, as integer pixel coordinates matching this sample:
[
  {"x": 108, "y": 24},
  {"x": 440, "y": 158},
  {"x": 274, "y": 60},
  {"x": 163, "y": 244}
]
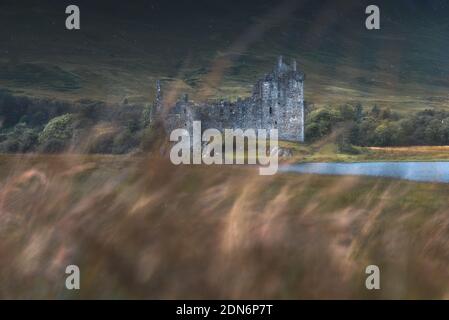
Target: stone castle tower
[
  {"x": 280, "y": 96},
  {"x": 277, "y": 102}
]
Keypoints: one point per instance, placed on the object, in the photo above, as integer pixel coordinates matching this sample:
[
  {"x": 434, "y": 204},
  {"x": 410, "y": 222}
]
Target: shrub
[
  {"x": 58, "y": 132},
  {"x": 20, "y": 139}
]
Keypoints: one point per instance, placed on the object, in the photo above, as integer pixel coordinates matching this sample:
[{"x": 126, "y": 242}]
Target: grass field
[
  {"x": 328, "y": 152},
  {"x": 143, "y": 228}
]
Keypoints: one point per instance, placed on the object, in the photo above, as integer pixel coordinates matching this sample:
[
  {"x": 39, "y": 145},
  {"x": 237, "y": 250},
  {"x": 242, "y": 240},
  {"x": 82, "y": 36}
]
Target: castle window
[{"x": 271, "y": 110}]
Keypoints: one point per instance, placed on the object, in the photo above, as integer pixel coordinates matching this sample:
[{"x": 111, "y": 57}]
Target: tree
[
  {"x": 444, "y": 131},
  {"x": 20, "y": 139},
  {"x": 387, "y": 134},
  {"x": 358, "y": 113},
  {"x": 375, "y": 111},
  {"x": 58, "y": 132},
  {"x": 320, "y": 123}
]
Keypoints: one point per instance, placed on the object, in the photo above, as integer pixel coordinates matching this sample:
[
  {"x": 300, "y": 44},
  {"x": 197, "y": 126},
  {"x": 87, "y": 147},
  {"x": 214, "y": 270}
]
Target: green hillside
[{"x": 210, "y": 49}]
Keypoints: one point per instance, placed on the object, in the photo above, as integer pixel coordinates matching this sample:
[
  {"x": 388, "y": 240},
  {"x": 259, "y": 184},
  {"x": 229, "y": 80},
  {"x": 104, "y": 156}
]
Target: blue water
[{"x": 416, "y": 171}]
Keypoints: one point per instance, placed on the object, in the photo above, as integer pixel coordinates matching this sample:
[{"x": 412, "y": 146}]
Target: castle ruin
[{"x": 277, "y": 102}]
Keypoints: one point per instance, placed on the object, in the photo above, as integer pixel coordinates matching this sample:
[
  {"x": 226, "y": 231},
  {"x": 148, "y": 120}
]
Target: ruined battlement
[{"x": 277, "y": 102}]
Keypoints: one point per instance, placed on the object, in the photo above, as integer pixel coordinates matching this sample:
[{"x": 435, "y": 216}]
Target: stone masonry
[{"x": 277, "y": 102}]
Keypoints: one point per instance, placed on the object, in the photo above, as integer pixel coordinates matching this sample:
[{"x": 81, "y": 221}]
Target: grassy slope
[{"x": 221, "y": 51}]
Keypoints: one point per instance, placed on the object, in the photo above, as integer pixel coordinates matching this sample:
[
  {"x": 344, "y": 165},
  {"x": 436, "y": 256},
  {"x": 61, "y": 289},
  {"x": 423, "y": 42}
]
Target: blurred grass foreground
[{"x": 139, "y": 227}]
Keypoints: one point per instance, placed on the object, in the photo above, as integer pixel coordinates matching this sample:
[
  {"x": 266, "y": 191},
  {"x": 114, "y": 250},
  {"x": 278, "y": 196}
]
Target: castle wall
[{"x": 277, "y": 102}]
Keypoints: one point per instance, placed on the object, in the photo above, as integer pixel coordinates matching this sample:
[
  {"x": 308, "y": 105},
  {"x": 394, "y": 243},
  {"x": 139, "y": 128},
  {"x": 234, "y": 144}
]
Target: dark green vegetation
[
  {"x": 143, "y": 228},
  {"x": 353, "y": 125},
  {"x": 83, "y": 126}
]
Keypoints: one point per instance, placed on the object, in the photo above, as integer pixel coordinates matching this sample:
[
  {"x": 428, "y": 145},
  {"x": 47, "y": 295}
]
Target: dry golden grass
[
  {"x": 417, "y": 153},
  {"x": 142, "y": 228},
  {"x": 415, "y": 149}
]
